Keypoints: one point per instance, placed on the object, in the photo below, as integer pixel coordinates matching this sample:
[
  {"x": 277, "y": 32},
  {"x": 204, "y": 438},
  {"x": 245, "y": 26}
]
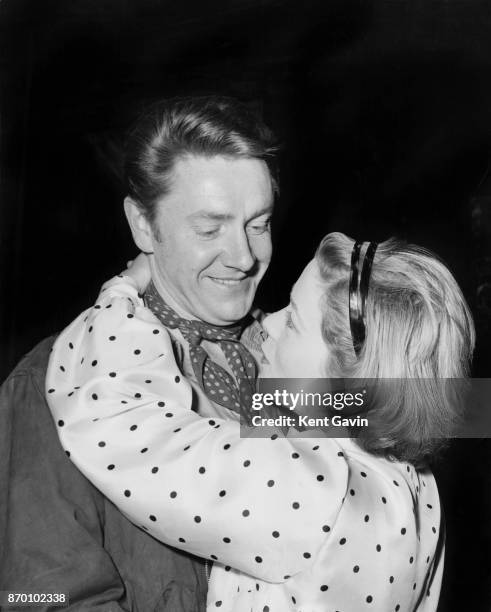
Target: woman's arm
[{"x": 123, "y": 409}]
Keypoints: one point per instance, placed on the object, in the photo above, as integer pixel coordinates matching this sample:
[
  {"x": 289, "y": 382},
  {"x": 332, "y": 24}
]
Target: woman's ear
[{"x": 140, "y": 226}]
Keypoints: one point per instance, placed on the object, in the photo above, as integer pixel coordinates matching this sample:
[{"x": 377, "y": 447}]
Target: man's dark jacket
[{"x": 59, "y": 533}]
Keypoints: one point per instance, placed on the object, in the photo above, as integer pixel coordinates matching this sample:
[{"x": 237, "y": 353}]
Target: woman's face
[{"x": 295, "y": 348}]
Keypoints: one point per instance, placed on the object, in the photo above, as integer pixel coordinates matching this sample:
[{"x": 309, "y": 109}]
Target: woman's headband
[{"x": 358, "y": 291}]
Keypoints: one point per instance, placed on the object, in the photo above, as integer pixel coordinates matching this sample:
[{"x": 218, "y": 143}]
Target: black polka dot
[
  {"x": 274, "y": 436},
  {"x": 326, "y": 528},
  {"x": 246, "y": 463},
  {"x": 197, "y": 519},
  {"x": 62, "y": 368},
  {"x": 258, "y": 559},
  {"x": 90, "y": 329},
  {"x": 397, "y": 608},
  {"x": 177, "y": 430},
  {"x": 369, "y": 599},
  {"x": 324, "y": 588},
  {"x": 218, "y": 603},
  {"x": 155, "y": 470},
  {"x": 403, "y": 531},
  {"x": 320, "y": 477},
  {"x": 67, "y": 453},
  {"x": 227, "y": 568},
  {"x": 367, "y": 518},
  {"x": 429, "y": 506},
  {"x": 295, "y": 455},
  {"x": 270, "y": 483},
  {"x": 112, "y": 338},
  {"x": 378, "y": 548},
  {"x": 101, "y": 444},
  {"x": 109, "y": 306},
  {"x": 144, "y": 450},
  {"x": 342, "y": 541},
  {"x": 70, "y": 345},
  {"x": 294, "y": 600},
  {"x": 202, "y": 470},
  {"x": 245, "y": 512},
  {"x": 307, "y": 555},
  {"x": 127, "y": 493},
  {"x": 61, "y": 423},
  {"x": 177, "y": 379},
  {"x": 137, "y": 351},
  {"x": 411, "y": 559},
  {"x": 275, "y": 534},
  {"x": 182, "y": 540},
  {"x": 156, "y": 331},
  {"x": 138, "y": 395},
  {"x": 351, "y": 492},
  {"x": 112, "y": 374},
  {"x": 340, "y": 454},
  {"x": 169, "y": 415},
  {"x": 111, "y": 466},
  {"x": 414, "y": 586},
  {"x": 94, "y": 363},
  {"x": 94, "y": 396},
  {"x": 391, "y": 579},
  {"x": 152, "y": 518},
  {"x": 222, "y": 493},
  {"x": 211, "y": 422},
  {"x": 433, "y": 529},
  {"x": 356, "y": 569},
  {"x": 396, "y": 483},
  {"x": 161, "y": 404},
  {"x": 129, "y": 316},
  {"x": 363, "y": 474},
  {"x": 227, "y": 540},
  {"x": 266, "y": 609},
  {"x": 226, "y": 447},
  {"x": 384, "y": 500},
  {"x": 51, "y": 390},
  {"x": 295, "y": 505},
  {"x": 315, "y": 447},
  {"x": 133, "y": 427},
  {"x": 173, "y": 495}
]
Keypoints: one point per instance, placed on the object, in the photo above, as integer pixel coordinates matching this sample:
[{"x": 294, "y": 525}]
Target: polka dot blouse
[{"x": 290, "y": 523}]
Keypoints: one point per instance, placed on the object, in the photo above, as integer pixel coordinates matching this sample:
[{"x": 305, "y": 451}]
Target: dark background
[{"x": 384, "y": 112}]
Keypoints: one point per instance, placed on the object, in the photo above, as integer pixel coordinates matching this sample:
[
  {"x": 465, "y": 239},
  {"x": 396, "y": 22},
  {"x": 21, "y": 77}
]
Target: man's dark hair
[{"x": 202, "y": 126}]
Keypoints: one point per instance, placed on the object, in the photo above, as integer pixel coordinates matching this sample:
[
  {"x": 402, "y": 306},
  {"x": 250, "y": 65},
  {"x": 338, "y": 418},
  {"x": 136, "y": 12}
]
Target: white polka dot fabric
[{"x": 301, "y": 524}]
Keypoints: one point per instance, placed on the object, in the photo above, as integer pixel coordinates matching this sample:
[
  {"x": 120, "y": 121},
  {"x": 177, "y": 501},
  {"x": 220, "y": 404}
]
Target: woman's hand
[{"x": 139, "y": 271}]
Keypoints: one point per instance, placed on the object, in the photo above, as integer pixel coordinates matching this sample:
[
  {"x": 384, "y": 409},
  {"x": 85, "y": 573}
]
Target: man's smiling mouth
[{"x": 228, "y": 282}]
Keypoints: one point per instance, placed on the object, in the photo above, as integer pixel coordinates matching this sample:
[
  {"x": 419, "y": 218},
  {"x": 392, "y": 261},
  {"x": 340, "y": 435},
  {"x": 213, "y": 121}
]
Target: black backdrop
[{"x": 383, "y": 108}]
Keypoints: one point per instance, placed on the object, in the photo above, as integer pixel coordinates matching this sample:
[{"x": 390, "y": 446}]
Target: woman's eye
[{"x": 289, "y": 321}]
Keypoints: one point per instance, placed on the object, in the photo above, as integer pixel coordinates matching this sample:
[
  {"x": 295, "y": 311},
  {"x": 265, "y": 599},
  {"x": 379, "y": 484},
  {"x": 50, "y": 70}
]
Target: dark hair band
[{"x": 358, "y": 291}]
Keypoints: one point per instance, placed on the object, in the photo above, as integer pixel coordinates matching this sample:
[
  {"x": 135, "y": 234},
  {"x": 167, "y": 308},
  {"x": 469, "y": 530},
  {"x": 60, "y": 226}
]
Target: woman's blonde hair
[{"x": 418, "y": 326}]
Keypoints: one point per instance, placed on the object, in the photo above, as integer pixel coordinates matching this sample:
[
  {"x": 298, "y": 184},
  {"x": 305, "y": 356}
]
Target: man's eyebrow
[{"x": 204, "y": 215}]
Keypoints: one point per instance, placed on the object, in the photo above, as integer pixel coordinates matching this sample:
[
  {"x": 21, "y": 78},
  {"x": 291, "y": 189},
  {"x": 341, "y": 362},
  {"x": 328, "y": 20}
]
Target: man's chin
[{"x": 227, "y": 316}]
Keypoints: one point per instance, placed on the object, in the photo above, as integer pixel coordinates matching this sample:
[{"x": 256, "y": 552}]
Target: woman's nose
[{"x": 273, "y": 323}]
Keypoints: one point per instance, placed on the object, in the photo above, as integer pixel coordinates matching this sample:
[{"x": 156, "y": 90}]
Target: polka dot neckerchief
[{"x": 215, "y": 381}]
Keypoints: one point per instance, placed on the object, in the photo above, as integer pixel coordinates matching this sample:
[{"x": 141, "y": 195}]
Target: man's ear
[{"x": 140, "y": 226}]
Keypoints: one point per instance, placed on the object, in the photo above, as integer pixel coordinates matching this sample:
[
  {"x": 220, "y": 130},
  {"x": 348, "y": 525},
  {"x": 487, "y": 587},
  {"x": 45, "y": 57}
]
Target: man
[{"x": 200, "y": 197}]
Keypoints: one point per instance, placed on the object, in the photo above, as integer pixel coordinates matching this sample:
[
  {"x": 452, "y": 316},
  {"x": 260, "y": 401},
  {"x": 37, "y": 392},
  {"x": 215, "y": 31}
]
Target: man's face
[{"x": 211, "y": 236}]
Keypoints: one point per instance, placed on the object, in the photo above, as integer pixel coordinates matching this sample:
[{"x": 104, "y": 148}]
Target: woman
[{"x": 293, "y": 523}]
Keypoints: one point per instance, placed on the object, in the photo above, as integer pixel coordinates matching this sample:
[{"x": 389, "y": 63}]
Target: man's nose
[
  {"x": 273, "y": 323},
  {"x": 239, "y": 253}
]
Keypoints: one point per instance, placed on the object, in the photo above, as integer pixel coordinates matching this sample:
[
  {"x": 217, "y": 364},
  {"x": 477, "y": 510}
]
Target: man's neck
[{"x": 167, "y": 295}]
